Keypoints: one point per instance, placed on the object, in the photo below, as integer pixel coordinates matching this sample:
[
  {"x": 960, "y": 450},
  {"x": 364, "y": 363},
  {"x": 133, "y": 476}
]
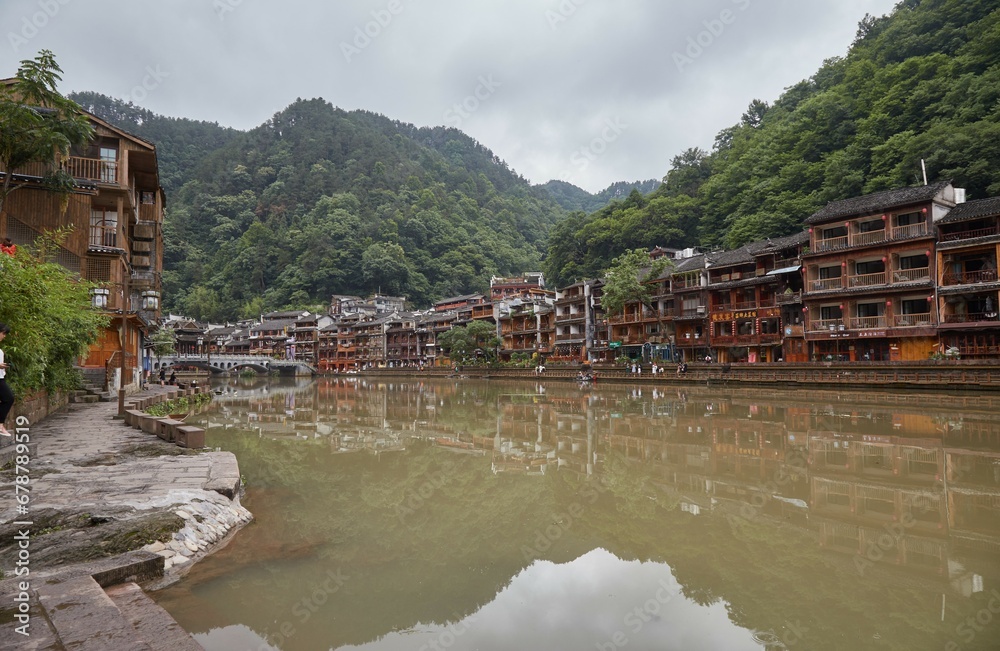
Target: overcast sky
[{"x": 590, "y": 91}]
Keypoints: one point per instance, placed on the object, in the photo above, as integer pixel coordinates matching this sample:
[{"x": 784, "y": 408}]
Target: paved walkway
[{"x": 89, "y": 463}]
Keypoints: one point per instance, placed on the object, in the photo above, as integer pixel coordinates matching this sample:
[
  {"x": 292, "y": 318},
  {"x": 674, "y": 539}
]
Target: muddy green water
[{"x": 516, "y": 515}]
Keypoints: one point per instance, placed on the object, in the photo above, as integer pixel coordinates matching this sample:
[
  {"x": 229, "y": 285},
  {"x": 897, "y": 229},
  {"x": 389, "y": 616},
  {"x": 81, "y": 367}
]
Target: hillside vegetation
[
  {"x": 921, "y": 83},
  {"x": 320, "y": 201}
]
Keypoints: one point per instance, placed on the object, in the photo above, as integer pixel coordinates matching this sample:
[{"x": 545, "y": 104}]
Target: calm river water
[{"x": 489, "y": 515}]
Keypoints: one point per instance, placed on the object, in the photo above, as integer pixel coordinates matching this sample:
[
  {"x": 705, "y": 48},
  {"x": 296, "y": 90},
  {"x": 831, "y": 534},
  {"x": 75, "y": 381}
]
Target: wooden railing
[
  {"x": 868, "y": 322},
  {"x": 971, "y": 277},
  {"x": 970, "y": 234},
  {"x": 787, "y": 299},
  {"x": 975, "y": 317},
  {"x": 820, "y": 325},
  {"x": 867, "y": 280},
  {"x": 832, "y": 243},
  {"x": 910, "y": 230},
  {"x": 912, "y": 320},
  {"x": 93, "y": 169},
  {"x": 104, "y": 236},
  {"x": 827, "y": 283},
  {"x": 871, "y": 237},
  {"x": 911, "y": 275}
]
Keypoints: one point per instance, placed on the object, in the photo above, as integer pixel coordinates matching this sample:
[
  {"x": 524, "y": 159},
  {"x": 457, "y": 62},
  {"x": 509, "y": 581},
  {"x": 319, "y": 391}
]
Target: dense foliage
[
  {"x": 51, "y": 322},
  {"x": 922, "y": 83},
  {"x": 571, "y": 197},
  {"x": 320, "y": 201}
]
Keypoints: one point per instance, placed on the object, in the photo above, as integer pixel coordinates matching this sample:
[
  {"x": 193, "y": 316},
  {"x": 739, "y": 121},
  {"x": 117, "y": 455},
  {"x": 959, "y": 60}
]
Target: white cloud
[{"x": 563, "y": 73}]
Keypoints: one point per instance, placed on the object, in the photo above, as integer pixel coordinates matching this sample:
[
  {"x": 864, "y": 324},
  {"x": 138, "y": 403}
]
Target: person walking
[{"x": 6, "y": 395}]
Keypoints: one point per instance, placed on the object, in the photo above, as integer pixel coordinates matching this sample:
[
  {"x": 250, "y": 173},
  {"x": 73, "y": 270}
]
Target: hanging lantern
[
  {"x": 844, "y": 263},
  {"x": 924, "y": 211},
  {"x": 884, "y": 218},
  {"x": 930, "y": 299},
  {"x": 889, "y": 303},
  {"x": 885, "y": 259},
  {"x": 928, "y": 253}
]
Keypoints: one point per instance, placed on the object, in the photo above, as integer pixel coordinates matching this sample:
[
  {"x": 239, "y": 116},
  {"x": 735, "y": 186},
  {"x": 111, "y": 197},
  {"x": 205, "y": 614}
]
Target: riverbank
[{"x": 98, "y": 490}]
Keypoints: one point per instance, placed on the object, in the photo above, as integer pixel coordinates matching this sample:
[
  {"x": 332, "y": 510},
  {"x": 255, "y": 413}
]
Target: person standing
[{"x": 6, "y": 395}]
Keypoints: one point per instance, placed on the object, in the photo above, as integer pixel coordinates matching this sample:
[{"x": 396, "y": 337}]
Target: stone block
[
  {"x": 133, "y": 417},
  {"x": 167, "y": 428},
  {"x": 189, "y": 436},
  {"x": 149, "y": 424}
]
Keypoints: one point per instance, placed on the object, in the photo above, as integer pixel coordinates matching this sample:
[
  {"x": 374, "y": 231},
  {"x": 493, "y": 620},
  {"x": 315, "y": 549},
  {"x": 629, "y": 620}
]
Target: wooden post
[{"x": 124, "y": 338}]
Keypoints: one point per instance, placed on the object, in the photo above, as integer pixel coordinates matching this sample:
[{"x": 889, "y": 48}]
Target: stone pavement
[
  {"x": 97, "y": 469},
  {"x": 108, "y": 506}
]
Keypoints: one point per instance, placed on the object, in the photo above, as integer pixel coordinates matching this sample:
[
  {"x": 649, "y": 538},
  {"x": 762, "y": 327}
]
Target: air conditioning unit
[{"x": 702, "y": 309}]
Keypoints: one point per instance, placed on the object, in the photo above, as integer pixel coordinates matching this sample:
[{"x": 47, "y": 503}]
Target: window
[
  {"x": 908, "y": 219},
  {"x": 869, "y": 309},
  {"x": 829, "y": 272},
  {"x": 103, "y": 227},
  {"x": 830, "y": 313},
  {"x": 870, "y": 267},
  {"x": 109, "y": 165},
  {"x": 874, "y": 225}
]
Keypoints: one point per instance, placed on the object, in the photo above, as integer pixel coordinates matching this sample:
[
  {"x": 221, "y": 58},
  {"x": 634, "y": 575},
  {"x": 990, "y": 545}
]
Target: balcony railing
[
  {"x": 868, "y": 322},
  {"x": 911, "y": 275},
  {"x": 827, "y": 283},
  {"x": 971, "y": 277},
  {"x": 871, "y": 237},
  {"x": 969, "y": 235},
  {"x": 789, "y": 298},
  {"x": 910, "y": 230},
  {"x": 867, "y": 280},
  {"x": 104, "y": 236},
  {"x": 911, "y": 320},
  {"x": 976, "y": 317},
  {"x": 831, "y": 243},
  {"x": 826, "y": 324},
  {"x": 93, "y": 169}
]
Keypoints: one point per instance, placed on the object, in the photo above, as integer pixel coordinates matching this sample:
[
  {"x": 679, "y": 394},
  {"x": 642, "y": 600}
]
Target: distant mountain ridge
[
  {"x": 320, "y": 201},
  {"x": 573, "y": 198}
]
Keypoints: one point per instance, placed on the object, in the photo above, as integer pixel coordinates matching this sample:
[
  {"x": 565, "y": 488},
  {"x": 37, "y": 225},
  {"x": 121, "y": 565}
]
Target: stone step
[
  {"x": 86, "y": 619},
  {"x": 88, "y": 398},
  {"x": 153, "y": 624},
  {"x": 106, "y": 396}
]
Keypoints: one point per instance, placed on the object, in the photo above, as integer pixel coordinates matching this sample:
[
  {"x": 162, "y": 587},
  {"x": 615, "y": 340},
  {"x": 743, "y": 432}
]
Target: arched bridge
[{"x": 235, "y": 363}]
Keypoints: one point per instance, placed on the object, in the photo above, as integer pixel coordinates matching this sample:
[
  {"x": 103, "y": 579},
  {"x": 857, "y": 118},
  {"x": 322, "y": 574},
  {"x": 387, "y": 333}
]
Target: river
[{"x": 464, "y": 514}]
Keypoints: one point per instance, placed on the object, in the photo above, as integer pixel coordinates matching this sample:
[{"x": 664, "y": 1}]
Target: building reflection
[{"x": 892, "y": 480}]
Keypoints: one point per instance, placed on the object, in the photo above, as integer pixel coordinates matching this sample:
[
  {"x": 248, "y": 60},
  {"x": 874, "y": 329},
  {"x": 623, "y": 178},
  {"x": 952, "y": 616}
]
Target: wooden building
[
  {"x": 115, "y": 217},
  {"x": 869, "y": 275}
]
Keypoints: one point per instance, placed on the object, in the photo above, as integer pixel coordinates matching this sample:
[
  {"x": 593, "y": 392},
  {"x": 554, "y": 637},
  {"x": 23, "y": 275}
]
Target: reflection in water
[{"x": 473, "y": 515}]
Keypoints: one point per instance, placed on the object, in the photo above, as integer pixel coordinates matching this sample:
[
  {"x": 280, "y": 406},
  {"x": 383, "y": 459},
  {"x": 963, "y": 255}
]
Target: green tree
[
  {"x": 51, "y": 319},
  {"x": 628, "y": 280},
  {"x": 38, "y": 125},
  {"x": 162, "y": 342}
]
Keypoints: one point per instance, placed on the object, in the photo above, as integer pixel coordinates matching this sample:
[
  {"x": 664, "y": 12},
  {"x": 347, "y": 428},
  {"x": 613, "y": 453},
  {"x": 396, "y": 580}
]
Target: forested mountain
[
  {"x": 921, "y": 83},
  {"x": 320, "y": 201},
  {"x": 571, "y": 198}
]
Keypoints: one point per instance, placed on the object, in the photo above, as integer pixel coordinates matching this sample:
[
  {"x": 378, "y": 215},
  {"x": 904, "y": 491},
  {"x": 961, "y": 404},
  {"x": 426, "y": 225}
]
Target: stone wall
[{"x": 36, "y": 406}]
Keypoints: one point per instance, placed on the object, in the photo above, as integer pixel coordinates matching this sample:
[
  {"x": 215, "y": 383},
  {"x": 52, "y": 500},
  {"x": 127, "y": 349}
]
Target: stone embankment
[{"x": 109, "y": 506}]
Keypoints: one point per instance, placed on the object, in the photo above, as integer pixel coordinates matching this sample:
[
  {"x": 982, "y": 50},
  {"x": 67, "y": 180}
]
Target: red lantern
[
  {"x": 884, "y": 218},
  {"x": 930, "y": 299},
  {"x": 805, "y": 309},
  {"x": 924, "y": 211},
  {"x": 843, "y": 264},
  {"x": 841, "y": 306},
  {"x": 885, "y": 259},
  {"x": 889, "y": 303},
  {"x": 928, "y": 252},
  {"x": 810, "y": 231}
]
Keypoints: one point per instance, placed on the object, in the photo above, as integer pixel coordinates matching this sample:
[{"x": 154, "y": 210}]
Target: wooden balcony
[
  {"x": 978, "y": 317},
  {"x": 823, "y": 325},
  {"x": 868, "y": 280},
  {"x": 104, "y": 237},
  {"x": 824, "y": 284},
  {"x": 910, "y": 231},
  {"x": 871, "y": 237},
  {"x": 789, "y": 298},
  {"x": 971, "y": 277},
  {"x": 832, "y": 244},
  {"x": 912, "y": 320},
  {"x": 911, "y": 275},
  {"x": 970, "y": 234},
  {"x": 868, "y": 322},
  {"x": 93, "y": 169}
]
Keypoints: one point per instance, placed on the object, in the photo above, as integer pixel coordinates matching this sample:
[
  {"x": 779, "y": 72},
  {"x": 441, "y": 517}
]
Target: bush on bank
[{"x": 51, "y": 322}]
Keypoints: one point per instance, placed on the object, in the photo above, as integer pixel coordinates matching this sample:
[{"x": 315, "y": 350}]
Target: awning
[{"x": 785, "y": 270}]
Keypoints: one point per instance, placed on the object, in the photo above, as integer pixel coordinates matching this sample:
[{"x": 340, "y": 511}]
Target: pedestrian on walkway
[{"x": 6, "y": 395}]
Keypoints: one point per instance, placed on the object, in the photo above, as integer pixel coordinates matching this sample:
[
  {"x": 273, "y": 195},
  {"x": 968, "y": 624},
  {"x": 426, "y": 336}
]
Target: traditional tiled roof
[
  {"x": 458, "y": 299},
  {"x": 787, "y": 242},
  {"x": 274, "y": 324},
  {"x": 972, "y": 210},
  {"x": 872, "y": 203},
  {"x": 694, "y": 263}
]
